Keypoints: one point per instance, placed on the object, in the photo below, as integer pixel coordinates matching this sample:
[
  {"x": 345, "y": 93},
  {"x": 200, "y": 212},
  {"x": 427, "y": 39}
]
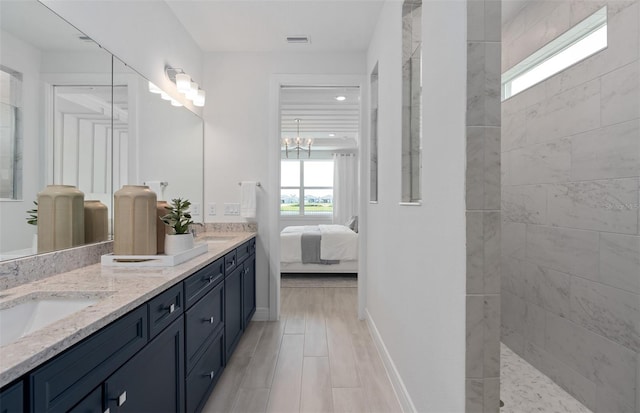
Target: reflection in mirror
[
  {"x": 373, "y": 144},
  {"x": 155, "y": 143},
  {"x": 55, "y": 88},
  {"x": 411, "y": 100}
]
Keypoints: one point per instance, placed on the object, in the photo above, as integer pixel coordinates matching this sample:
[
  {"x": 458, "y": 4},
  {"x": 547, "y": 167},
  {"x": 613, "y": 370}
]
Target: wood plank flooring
[{"x": 319, "y": 358}]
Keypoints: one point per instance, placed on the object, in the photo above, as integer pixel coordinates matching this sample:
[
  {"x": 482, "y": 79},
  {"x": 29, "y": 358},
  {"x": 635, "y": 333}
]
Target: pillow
[{"x": 352, "y": 223}]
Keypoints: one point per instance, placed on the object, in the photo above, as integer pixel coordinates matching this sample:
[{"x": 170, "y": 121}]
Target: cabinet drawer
[
  {"x": 165, "y": 308},
  {"x": 12, "y": 399},
  {"x": 230, "y": 262},
  {"x": 202, "y": 321},
  {"x": 63, "y": 382},
  {"x": 243, "y": 251},
  {"x": 202, "y": 281},
  {"x": 204, "y": 375}
]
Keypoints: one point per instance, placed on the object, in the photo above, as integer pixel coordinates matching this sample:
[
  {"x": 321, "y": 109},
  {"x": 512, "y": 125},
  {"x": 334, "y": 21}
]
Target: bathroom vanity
[{"x": 155, "y": 340}]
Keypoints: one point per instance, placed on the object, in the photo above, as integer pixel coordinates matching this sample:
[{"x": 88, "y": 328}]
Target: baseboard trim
[
  {"x": 396, "y": 381},
  {"x": 261, "y": 314}
]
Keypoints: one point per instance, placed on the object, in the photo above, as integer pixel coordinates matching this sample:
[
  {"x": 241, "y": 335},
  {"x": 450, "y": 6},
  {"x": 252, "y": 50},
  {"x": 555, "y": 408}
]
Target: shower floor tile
[{"x": 524, "y": 389}]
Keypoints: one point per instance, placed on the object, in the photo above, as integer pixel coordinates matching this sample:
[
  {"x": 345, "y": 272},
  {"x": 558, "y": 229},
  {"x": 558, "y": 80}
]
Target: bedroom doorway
[{"x": 318, "y": 172}]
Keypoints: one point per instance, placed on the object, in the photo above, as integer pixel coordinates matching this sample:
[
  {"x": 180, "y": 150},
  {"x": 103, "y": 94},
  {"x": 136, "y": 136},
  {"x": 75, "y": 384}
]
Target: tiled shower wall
[
  {"x": 570, "y": 294},
  {"x": 483, "y": 207}
]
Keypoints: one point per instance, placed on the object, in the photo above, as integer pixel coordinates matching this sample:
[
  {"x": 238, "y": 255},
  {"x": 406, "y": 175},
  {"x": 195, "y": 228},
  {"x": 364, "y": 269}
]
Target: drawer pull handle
[
  {"x": 246, "y": 271},
  {"x": 210, "y": 279},
  {"x": 211, "y": 375},
  {"x": 122, "y": 398},
  {"x": 107, "y": 411},
  {"x": 208, "y": 320},
  {"x": 171, "y": 308}
]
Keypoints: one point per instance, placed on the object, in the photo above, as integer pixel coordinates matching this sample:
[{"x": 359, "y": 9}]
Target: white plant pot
[{"x": 177, "y": 243}]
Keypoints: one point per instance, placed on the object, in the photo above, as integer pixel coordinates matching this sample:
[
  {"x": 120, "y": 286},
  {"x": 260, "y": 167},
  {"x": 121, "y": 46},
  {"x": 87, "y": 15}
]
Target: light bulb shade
[
  {"x": 165, "y": 96},
  {"x": 199, "y": 99},
  {"x": 193, "y": 91},
  {"x": 183, "y": 82},
  {"x": 286, "y": 141},
  {"x": 154, "y": 89},
  {"x": 175, "y": 103},
  {"x": 309, "y": 141}
]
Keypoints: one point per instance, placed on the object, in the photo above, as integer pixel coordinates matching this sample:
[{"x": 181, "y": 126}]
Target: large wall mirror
[{"x": 73, "y": 114}]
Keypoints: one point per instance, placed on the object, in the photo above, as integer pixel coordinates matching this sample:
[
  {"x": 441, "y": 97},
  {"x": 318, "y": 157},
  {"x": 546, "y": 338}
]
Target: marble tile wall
[
  {"x": 483, "y": 206},
  {"x": 570, "y": 282}
]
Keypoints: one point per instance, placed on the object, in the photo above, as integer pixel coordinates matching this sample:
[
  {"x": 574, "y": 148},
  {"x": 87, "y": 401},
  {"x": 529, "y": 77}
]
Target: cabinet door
[
  {"x": 90, "y": 404},
  {"x": 249, "y": 289},
  {"x": 12, "y": 399},
  {"x": 153, "y": 380},
  {"x": 233, "y": 310}
]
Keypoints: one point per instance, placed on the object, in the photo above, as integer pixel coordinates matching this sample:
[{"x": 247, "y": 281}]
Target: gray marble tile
[
  {"x": 491, "y": 168},
  {"x": 620, "y": 95},
  {"x": 475, "y": 253},
  {"x": 542, "y": 163},
  {"x": 491, "y": 399},
  {"x": 596, "y": 205},
  {"x": 475, "y": 168},
  {"x": 609, "y": 402},
  {"x": 609, "y": 365},
  {"x": 526, "y": 389},
  {"x": 534, "y": 324},
  {"x": 562, "y": 249},
  {"x": 512, "y": 29},
  {"x": 512, "y": 278},
  {"x": 491, "y": 342},
  {"x": 620, "y": 261},
  {"x": 474, "y": 393},
  {"x": 547, "y": 288},
  {"x": 608, "y": 311},
  {"x": 567, "y": 113},
  {"x": 512, "y": 310},
  {"x": 525, "y": 203},
  {"x": 475, "y": 20},
  {"x": 492, "y": 86},
  {"x": 578, "y": 386},
  {"x": 513, "y": 127},
  {"x": 513, "y": 239},
  {"x": 491, "y": 231},
  {"x": 475, "y": 337},
  {"x": 610, "y": 152},
  {"x": 476, "y": 80},
  {"x": 493, "y": 20}
]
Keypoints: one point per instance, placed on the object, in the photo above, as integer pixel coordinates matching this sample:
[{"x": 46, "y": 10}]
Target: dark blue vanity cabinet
[
  {"x": 12, "y": 398},
  {"x": 164, "y": 356}
]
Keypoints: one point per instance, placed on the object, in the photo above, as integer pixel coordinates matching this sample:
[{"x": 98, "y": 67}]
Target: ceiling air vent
[{"x": 298, "y": 39}]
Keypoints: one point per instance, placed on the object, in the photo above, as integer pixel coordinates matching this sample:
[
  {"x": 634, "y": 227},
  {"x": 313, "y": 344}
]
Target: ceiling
[
  {"x": 321, "y": 115},
  {"x": 262, "y": 25}
]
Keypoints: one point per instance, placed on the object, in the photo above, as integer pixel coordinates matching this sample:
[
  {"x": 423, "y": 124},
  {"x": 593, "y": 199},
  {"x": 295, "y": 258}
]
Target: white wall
[
  {"x": 20, "y": 56},
  {"x": 237, "y": 129},
  {"x": 416, "y": 254},
  {"x": 144, "y": 34}
]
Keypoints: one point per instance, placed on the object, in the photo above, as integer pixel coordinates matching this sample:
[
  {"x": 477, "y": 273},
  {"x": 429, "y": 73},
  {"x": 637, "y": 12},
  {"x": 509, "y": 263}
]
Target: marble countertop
[{"x": 118, "y": 291}]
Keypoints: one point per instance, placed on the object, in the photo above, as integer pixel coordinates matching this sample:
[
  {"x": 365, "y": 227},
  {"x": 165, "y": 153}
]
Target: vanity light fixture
[
  {"x": 186, "y": 85},
  {"x": 298, "y": 142},
  {"x": 175, "y": 103},
  {"x": 341, "y": 98},
  {"x": 154, "y": 89},
  {"x": 165, "y": 96}
]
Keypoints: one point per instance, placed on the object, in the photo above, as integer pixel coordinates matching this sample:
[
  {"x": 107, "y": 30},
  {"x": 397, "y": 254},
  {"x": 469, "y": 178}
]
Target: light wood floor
[{"x": 318, "y": 358}]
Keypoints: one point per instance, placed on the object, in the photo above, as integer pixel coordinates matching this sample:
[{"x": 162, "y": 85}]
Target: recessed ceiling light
[
  {"x": 332, "y": 134},
  {"x": 341, "y": 98}
]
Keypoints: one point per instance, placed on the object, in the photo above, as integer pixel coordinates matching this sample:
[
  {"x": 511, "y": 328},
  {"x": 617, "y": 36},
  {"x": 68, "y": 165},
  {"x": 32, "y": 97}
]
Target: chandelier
[{"x": 298, "y": 142}]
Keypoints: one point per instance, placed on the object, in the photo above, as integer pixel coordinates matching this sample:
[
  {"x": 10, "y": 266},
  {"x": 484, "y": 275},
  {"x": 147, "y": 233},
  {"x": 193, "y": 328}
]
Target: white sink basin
[{"x": 27, "y": 316}]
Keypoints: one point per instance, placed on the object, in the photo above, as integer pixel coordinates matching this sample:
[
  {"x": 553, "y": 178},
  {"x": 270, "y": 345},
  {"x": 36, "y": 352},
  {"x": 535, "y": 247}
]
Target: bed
[{"x": 318, "y": 249}]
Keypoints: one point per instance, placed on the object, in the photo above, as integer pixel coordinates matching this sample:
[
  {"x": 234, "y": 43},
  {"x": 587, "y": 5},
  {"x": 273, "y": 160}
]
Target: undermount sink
[
  {"x": 21, "y": 317},
  {"x": 217, "y": 238}
]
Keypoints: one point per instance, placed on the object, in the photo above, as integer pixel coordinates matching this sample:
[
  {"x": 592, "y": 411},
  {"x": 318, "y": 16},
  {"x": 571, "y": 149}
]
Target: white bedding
[{"x": 337, "y": 243}]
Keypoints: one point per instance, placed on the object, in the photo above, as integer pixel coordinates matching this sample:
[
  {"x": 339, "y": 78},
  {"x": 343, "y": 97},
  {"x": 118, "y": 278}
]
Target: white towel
[{"x": 248, "y": 199}]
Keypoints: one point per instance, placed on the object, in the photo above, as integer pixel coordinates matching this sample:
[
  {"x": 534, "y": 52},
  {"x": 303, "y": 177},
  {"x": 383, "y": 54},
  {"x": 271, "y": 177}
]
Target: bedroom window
[{"x": 306, "y": 187}]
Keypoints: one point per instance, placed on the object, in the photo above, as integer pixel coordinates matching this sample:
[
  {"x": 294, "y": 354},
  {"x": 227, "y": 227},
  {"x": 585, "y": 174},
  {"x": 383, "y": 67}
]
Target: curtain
[{"x": 345, "y": 187}]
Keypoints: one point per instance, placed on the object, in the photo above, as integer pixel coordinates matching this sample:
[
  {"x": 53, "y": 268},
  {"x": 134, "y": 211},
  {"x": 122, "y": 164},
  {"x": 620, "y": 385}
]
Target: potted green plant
[
  {"x": 178, "y": 219},
  {"x": 32, "y": 219}
]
